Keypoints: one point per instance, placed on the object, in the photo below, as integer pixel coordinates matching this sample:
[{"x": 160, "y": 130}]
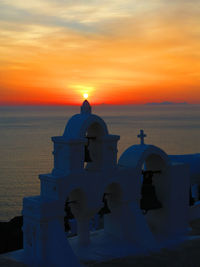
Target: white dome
[{"x": 79, "y": 123}]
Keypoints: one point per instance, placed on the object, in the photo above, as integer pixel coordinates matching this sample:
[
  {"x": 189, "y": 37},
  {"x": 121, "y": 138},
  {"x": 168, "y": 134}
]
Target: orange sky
[{"x": 117, "y": 51}]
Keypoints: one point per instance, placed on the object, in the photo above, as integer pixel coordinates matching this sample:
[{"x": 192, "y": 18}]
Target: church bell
[
  {"x": 149, "y": 199},
  {"x": 105, "y": 209},
  {"x": 192, "y": 200},
  {"x": 87, "y": 155},
  {"x": 87, "y": 152}
]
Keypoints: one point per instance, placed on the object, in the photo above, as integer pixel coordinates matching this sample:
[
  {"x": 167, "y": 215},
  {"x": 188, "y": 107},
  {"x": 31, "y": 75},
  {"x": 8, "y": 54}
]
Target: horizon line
[{"x": 163, "y": 103}]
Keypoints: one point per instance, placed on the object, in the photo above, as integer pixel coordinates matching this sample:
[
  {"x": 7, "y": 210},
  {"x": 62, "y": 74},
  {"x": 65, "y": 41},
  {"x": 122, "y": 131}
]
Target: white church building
[{"x": 147, "y": 195}]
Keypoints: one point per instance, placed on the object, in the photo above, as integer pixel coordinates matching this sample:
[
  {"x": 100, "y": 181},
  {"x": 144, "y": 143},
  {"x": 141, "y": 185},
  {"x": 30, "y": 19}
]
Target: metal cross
[{"x": 141, "y": 136}]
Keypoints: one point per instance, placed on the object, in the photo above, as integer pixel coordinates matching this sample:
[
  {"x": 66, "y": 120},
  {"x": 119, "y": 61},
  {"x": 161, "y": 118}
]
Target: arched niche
[
  {"x": 148, "y": 158},
  {"x": 114, "y": 195},
  {"x": 157, "y": 193},
  {"x": 76, "y": 203},
  {"x": 89, "y": 141},
  {"x": 156, "y": 164},
  {"x": 111, "y": 198},
  {"x": 94, "y": 146}
]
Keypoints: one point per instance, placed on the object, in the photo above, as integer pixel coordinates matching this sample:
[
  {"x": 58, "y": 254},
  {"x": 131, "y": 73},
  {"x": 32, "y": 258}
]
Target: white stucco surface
[{"x": 127, "y": 230}]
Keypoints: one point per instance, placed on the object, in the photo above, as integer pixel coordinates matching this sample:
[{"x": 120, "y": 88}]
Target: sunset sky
[{"x": 116, "y": 51}]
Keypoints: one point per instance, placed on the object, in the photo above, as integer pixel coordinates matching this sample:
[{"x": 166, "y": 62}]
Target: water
[{"x": 25, "y": 140}]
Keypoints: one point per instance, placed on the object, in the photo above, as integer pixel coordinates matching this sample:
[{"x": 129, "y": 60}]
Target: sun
[
  {"x": 83, "y": 92},
  {"x": 85, "y": 95}
]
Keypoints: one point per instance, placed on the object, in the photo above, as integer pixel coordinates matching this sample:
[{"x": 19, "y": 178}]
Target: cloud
[
  {"x": 97, "y": 16},
  {"x": 104, "y": 45}
]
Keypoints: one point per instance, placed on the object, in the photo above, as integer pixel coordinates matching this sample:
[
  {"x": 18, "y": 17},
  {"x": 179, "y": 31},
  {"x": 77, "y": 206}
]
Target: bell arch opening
[
  {"x": 74, "y": 205},
  {"x": 113, "y": 194},
  {"x": 94, "y": 147},
  {"x": 194, "y": 194},
  {"x": 79, "y": 220},
  {"x": 155, "y": 192},
  {"x": 152, "y": 183}
]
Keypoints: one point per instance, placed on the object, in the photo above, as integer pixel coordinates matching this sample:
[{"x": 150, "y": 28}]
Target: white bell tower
[{"x": 85, "y": 144}]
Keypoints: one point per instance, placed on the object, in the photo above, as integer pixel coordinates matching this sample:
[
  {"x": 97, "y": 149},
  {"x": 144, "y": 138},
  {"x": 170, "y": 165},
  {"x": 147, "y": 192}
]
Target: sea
[{"x": 26, "y": 146}]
